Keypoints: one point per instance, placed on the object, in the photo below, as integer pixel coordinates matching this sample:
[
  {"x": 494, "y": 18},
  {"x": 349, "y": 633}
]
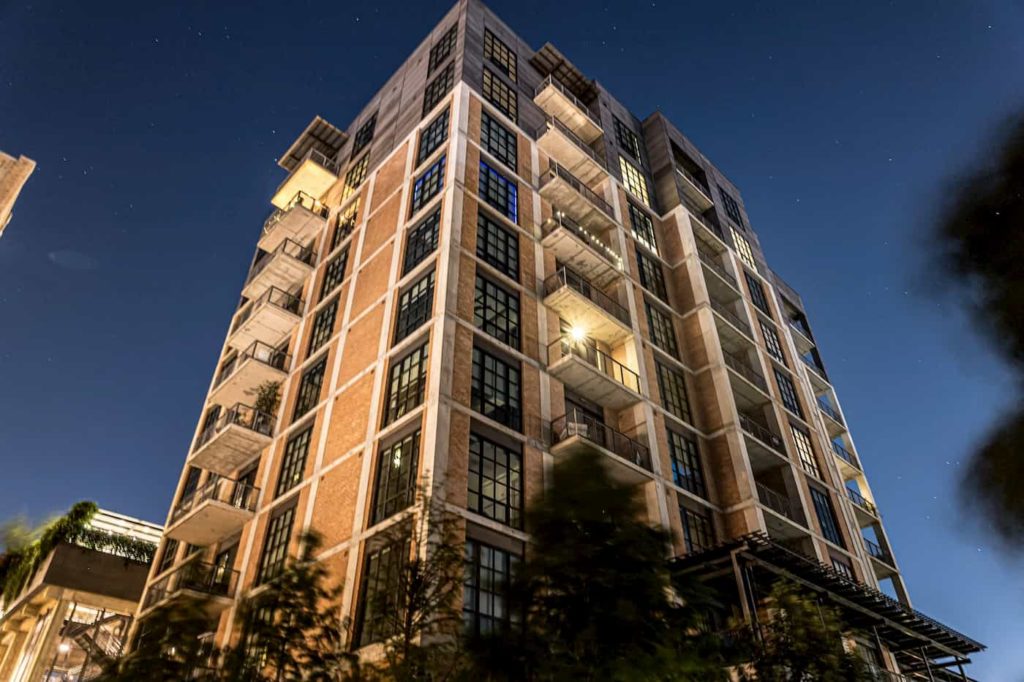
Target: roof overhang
[
  {"x": 549, "y": 61},
  {"x": 319, "y": 135}
]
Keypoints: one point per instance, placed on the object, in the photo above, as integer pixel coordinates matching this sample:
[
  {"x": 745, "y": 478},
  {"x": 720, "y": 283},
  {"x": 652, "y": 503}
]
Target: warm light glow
[
  {"x": 577, "y": 334},
  {"x": 64, "y": 647}
]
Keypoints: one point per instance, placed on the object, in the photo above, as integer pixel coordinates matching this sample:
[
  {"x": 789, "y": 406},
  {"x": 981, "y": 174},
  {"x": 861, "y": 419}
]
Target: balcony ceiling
[
  {"x": 549, "y": 61},
  {"x": 319, "y": 135}
]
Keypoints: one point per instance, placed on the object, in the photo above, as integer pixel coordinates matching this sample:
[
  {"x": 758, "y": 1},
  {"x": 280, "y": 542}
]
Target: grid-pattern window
[
  {"x": 772, "y": 342},
  {"x": 788, "y": 392},
  {"x": 497, "y": 246},
  {"x": 803, "y": 447},
  {"x": 407, "y": 382},
  {"x": 444, "y": 47},
  {"x": 496, "y": 311},
  {"x": 438, "y": 88},
  {"x": 499, "y": 192},
  {"x": 499, "y": 54},
  {"x": 732, "y": 208},
  {"x": 346, "y": 223},
  {"x": 743, "y": 249},
  {"x": 334, "y": 273},
  {"x": 422, "y": 241},
  {"x": 643, "y": 227},
  {"x": 414, "y": 307},
  {"x": 293, "y": 464},
  {"x": 428, "y": 185},
  {"x": 757, "y": 294},
  {"x": 673, "y": 392},
  {"x": 496, "y": 389},
  {"x": 433, "y": 136},
  {"x": 485, "y": 601},
  {"x": 323, "y": 326},
  {"x": 499, "y": 141},
  {"x": 651, "y": 276},
  {"x": 634, "y": 180},
  {"x": 662, "y": 333},
  {"x": 364, "y": 135},
  {"x": 191, "y": 483},
  {"x": 395, "y": 485},
  {"x": 826, "y": 516},
  {"x": 355, "y": 176},
  {"x": 378, "y": 604},
  {"x": 500, "y": 95},
  {"x": 628, "y": 140},
  {"x": 167, "y": 558},
  {"x": 309, "y": 388},
  {"x": 495, "y": 481},
  {"x": 843, "y": 568},
  {"x": 698, "y": 532},
  {"x": 275, "y": 545},
  {"x": 686, "y": 470}
]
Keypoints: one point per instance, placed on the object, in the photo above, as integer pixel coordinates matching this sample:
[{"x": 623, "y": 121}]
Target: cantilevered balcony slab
[
  {"x": 865, "y": 510},
  {"x": 625, "y": 459},
  {"x": 849, "y": 465},
  {"x": 749, "y": 387},
  {"x": 834, "y": 423},
  {"x": 581, "y": 249},
  {"x": 693, "y": 189},
  {"x": 593, "y": 374},
  {"x": 269, "y": 319},
  {"x": 237, "y": 436},
  {"x": 240, "y": 378},
  {"x": 301, "y": 219},
  {"x": 881, "y": 560},
  {"x": 585, "y": 306},
  {"x": 556, "y": 100},
  {"x": 570, "y": 151},
  {"x": 313, "y": 175},
  {"x": 783, "y": 516},
  {"x": 213, "y": 513},
  {"x": 576, "y": 199},
  {"x": 211, "y": 584},
  {"x": 285, "y": 268},
  {"x": 764, "y": 449}
]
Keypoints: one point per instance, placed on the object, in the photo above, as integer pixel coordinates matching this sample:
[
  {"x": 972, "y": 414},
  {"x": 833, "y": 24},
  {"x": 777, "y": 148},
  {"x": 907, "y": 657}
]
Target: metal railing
[
  {"x": 566, "y": 277},
  {"x": 845, "y": 455},
  {"x": 878, "y": 552},
  {"x": 289, "y": 248},
  {"x": 598, "y": 359},
  {"x": 712, "y": 262},
  {"x": 224, "y": 490},
  {"x": 778, "y": 503},
  {"x": 559, "y": 219},
  {"x": 557, "y": 84},
  {"x": 575, "y": 422},
  {"x": 302, "y": 200},
  {"x": 238, "y": 415},
  {"x": 696, "y": 182},
  {"x": 556, "y": 170},
  {"x": 830, "y": 411},
  {"x": 258, "y": 351},
  {"x": 740, "y": 366},
  {"x": 801, "y": 329},
  {"x": 705, "y": 220},
  {"x": 813, "y": 366},
  {"x": 762, "y": 433},
  {"x": 320, "y": 159},
  {"x": 861, "y": 502},
  {"x": 272, "y": 296},
  {"x": 552, "y": 122},
  {"x": 194, "y": 576},
  {"x": 731, "y": 317}
]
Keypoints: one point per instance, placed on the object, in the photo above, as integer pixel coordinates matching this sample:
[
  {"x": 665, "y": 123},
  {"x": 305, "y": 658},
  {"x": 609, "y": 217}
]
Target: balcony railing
[
  {"x": 272, "y": 296},
  {"x": 695, "y": 181},
  {"x": 321, "y": 159},
  {"x": 559, "y": 219},
  {"x": 859, "y": 500},
  {"x": 566, "y": 277},
  {"x": 599, "y": 360},
  {"x": 710, "y": 261},
  {"x": 558, "y": 171},
  {"x": 762, "y": 433},
  {"x": 801, "y": 329},
  {"x": 301, "y": 199},
  {"x": 553, "y": 122},
  {"x": 195, "y": 576},
  {"x": 578, "y": 423},
  {"x": 878, "y": 552},
  {"x": 778, "y": 503},
  {"x": 557, "y": 84},
  {"x": 292, "y": 249},
  {"x": 811, "y": 365},
  {"x": 238, "y": 415},
  {"x": 741, "y": 367},
  {"x": 224, "y": 490},
  {"x": 260, "y": 352},
  {"x": 825, "y": 407},
  {"x": 845, "y": 455},
  {"x": 731, "y": 317}
]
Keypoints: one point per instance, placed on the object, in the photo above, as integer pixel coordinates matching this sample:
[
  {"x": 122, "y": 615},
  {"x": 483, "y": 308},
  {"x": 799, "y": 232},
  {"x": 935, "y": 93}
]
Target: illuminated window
[
  {"x": 499, "y": 54},
  {"x": 500, "y": 95},
  {"x": 355, "y": 176},
  {"x": 803, "y": 447},
  {"x": 433, "y": 136},
  {"x": 422, "y": 241},
  {"x": 444, "y": 47},
  {"x": 634, "y": 180},
  {"x": 395, "y": 485},
  {"x": 495, "y": 481},
  {"x": 496, "y": 312},
  {"x": 334, "y": 273},
  {"x": 427, "y": 186},
  {"x": 628, "y": 140},
  {"x": 346, "y": 223},
  {"x": 498, "y": 140},
  {"x": 643, "y": 227},
  {"x": 732, "y": 209},
  {"x": 686, "y": 471},
  {"x": 438, "y": 88},
  {"x": 364, "y": 135},
  {"x": 743, "y": 249},
  {"x": 499, "y": 192}
]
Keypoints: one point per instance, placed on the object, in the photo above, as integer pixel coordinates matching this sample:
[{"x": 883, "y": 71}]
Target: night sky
[{"x": 156, "y": 132}]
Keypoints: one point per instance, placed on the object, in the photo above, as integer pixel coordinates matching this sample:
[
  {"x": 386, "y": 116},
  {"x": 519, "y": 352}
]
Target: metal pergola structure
[{"x": 319, "y": 135}]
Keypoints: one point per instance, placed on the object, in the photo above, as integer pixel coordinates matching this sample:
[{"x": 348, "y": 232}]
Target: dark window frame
[
  {"x": 495, "y": 491},
  {"x": 311, "y": 385},
  {"x": 499, "y": 192},
  {"x": 433, "y": 135},
  {"x": 698, "y": 530},
  {"x": 322, "y": 328},
  {"x": 500, "y": 55},
  {"x": 487, "y": 610},
  {"x": 503, "y": 322},
  {"x": 428, "y": 185},
  {"x": 438, "y": 88},
  {"x": 499, "y": 141},
  {"x": 443, "y": 48},
  {"x": 394, "y": 487},
  {"x": 421, "y": 241},
  {"x": 275, "y": 544},
  {"x": 415, "y": 306},
  {"x": 787, "y": 391},
  {"x": 503, "y": 97},
  {"x": 496, "y": 389},
  {"x": 687, "y": 472},
  {"x": 497, "y": 245},
  {"x": 652, "y": 277},
  {"x": 672, "y": 390},
  {"x": 293, "y": 461},
  {"x": 661, "y": 329},
  {"x": 827, "y": 518},
  {"x": 407, "y": 383},
  {"x": 364, "y": 135}
]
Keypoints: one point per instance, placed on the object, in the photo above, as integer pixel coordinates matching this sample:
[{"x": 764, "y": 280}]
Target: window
[
  {"x": 427, "y": 186},
  {"x": 275, "y": 545},
  {"x": 378, "y": 607},
  {"x": 495, "y": 481},
  {"x": 422, "y": 241},
  {"x": 673, "y": 392},
  {"x": 842, "y": 568},
  {"x": 497, "y": 246},
  {"x": 406, "y": 384},
  {"x": 643, "y": 227},
  {"x": 500, "y": 192},
  {"x": 496, "y": 312},
  {"x": 662, "y": 334},
  {"x": 651, "y": 276},
  {"x": 485, "y": 603},
  {"x": 433, "y": 136},
  {"x": 686, "y": 471},
  {"x": 355, "y": 176},
  {"x": 334, "y": 273},
  {"x": 364, "y": 135},
  {"x": 438, "y": 88},
  {"x": 495, "y": 391},
  {"x": 293, "y": 464},
  {"x": 309, "y": 388},
  {"x": 634, "y": 180},
  {"x": 757, "y": 294},
  {"x": 191, "y": 483},
  {"x": 771, "y": 341},
  {"x": 826, "y": 516},
  {"x": 323, "y": 326},
  {"x": 788, "y": 392},
  {"x": 500, "y": 95},
  {"x": 395, "y": 485},
  {"x": 414, "y": 307},
  {"x": 498, "y": 140},
  {"x": 499, "y": 54},
  {"x": 346, "y": 223},
  {"x": 628, "y": 140},
  {"x": 444, "y": 47},
  {"x": 698, "y": 533},
  {"x": 167, "y": 558},
  {"x": 732, "y": 209},
  {"x": 803, "y": 447},
  {"x": 743, "y": 249}
]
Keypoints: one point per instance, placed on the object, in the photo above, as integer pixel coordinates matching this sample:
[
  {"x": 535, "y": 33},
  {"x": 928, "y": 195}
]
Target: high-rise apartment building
[
  {"x": 14, "y": 174},
  {"x": 493, "y": 265}
]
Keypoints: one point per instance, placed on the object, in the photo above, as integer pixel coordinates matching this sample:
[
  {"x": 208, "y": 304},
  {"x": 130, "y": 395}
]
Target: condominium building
[
  {"x": 14, "y": 173},
  {"x": 493, "y": 265}
]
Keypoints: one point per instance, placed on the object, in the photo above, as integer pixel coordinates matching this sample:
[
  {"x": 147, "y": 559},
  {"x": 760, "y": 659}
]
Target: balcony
[
  {"x": 751, "y": 389},
  {"x": 235, "y": 437},
  {"x": 694, "y": 189},
  {"x": 885, "y": 565},
  {"x": 721, "y": 285},
  {"x": 300, "y": 220},
  {"x": 593, "y": 374},
  {"x": 834, "y": 423},
  {"x": 626, "y": 460},
  {"x": 586, "y": 307},
  {"x": 314, "y": 174},
  {"x": 580, "y": 249},
  {"x": 241, "y": 376},
  {"x": 269, "y": 319},
  {"x": 285, "y": 268},
  {"x": 764, "y": 449},
  {"x": 816, "y": 374},
  {"x": 575, "y": 199},
  {"x": 801, "y": 336},
  {"x": 782, "y": 506},
  {"x": 214, "y": 585},
  {"x": 866, "y": 511},
  {"x": 706, "y": 227},
  {"x": 213, "y": 513},
  {"x": 561, "y": 143},
  {"x": 848, "y": 464},
  {"x": 556, "y": 100}
]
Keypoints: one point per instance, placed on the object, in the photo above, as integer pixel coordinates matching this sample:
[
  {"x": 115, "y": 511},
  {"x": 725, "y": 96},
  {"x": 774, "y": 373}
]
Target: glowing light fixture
[
  {"x": 577, "y": 334},
  {"x": 63, "y": 647}
]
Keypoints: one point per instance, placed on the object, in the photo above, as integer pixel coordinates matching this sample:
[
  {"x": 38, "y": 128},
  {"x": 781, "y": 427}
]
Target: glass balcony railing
[
  {"x": 580, "y": 424},
  {"x": 566, "y": 277}
]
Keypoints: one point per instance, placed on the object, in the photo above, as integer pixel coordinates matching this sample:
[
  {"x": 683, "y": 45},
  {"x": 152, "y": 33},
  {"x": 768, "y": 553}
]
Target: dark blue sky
[{"x": 156, "y": 131}]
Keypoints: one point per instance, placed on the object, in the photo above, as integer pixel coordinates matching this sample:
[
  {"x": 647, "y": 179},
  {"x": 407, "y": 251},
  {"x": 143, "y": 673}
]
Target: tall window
[
  {"x": 438, "y": 88},
  {"x": 499, "y": 192},
  {"x": 427, "y": 186},
  {"x": 732, "y": 208},
  {"x": 788, "y": 392},
  {"x": 495, "y": 481},
  {"x": 364, "y": 135},
  {"x": 843, "y": 568},
  {"x": 309, "y": 388},
  {"x": 500, "y": 95},
  {"x": 499, "y": 55},
  {"x": 167, "y": 558},
  {"x": 485, "y": 603},
  {"x": 323, "y": 326},
  {"x": 628, "y": 140},
  {"x": 433, "y": 136},
  {"x": 803, "y": 447},
  {"x": 662, "y": 334},
  {"x": 757, "y": 294},
  {"x": 407, "y": 382},
  {"x": 422, "y": 241},
  {"x": 634, "y": 180},
  {"x": 686, "y": 470},
  {"x": 499, "y": 141},
  {"x": 496, "y": 389},
  {"x": 826, "y": 516},
  {"x": 443, "y": 48},
  {"x": 395, "y": 485},
  {"x": 334, "y": 273},
  {"x": 643, "y": 227},
  {"x": 743, "y": 249},
  {"x": 496, "y": 311},
  {"x": 771, "y": 342},
  {"x": 191, "y": 483},
  {"x": 414, "y": 307},
  {"x": 651, "y": 275},
  {"x": 275, "y": 545},
  {"x": 355, "y": 176},
  {"x": 293, "y": 464},
  {"x": 497, "y": 246},
  {"x": 698, "y": 532},
  {"x": 346, "y": 223},
  {"x": 673, "y": 392},
  {"x": 378, "y": 604}
]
